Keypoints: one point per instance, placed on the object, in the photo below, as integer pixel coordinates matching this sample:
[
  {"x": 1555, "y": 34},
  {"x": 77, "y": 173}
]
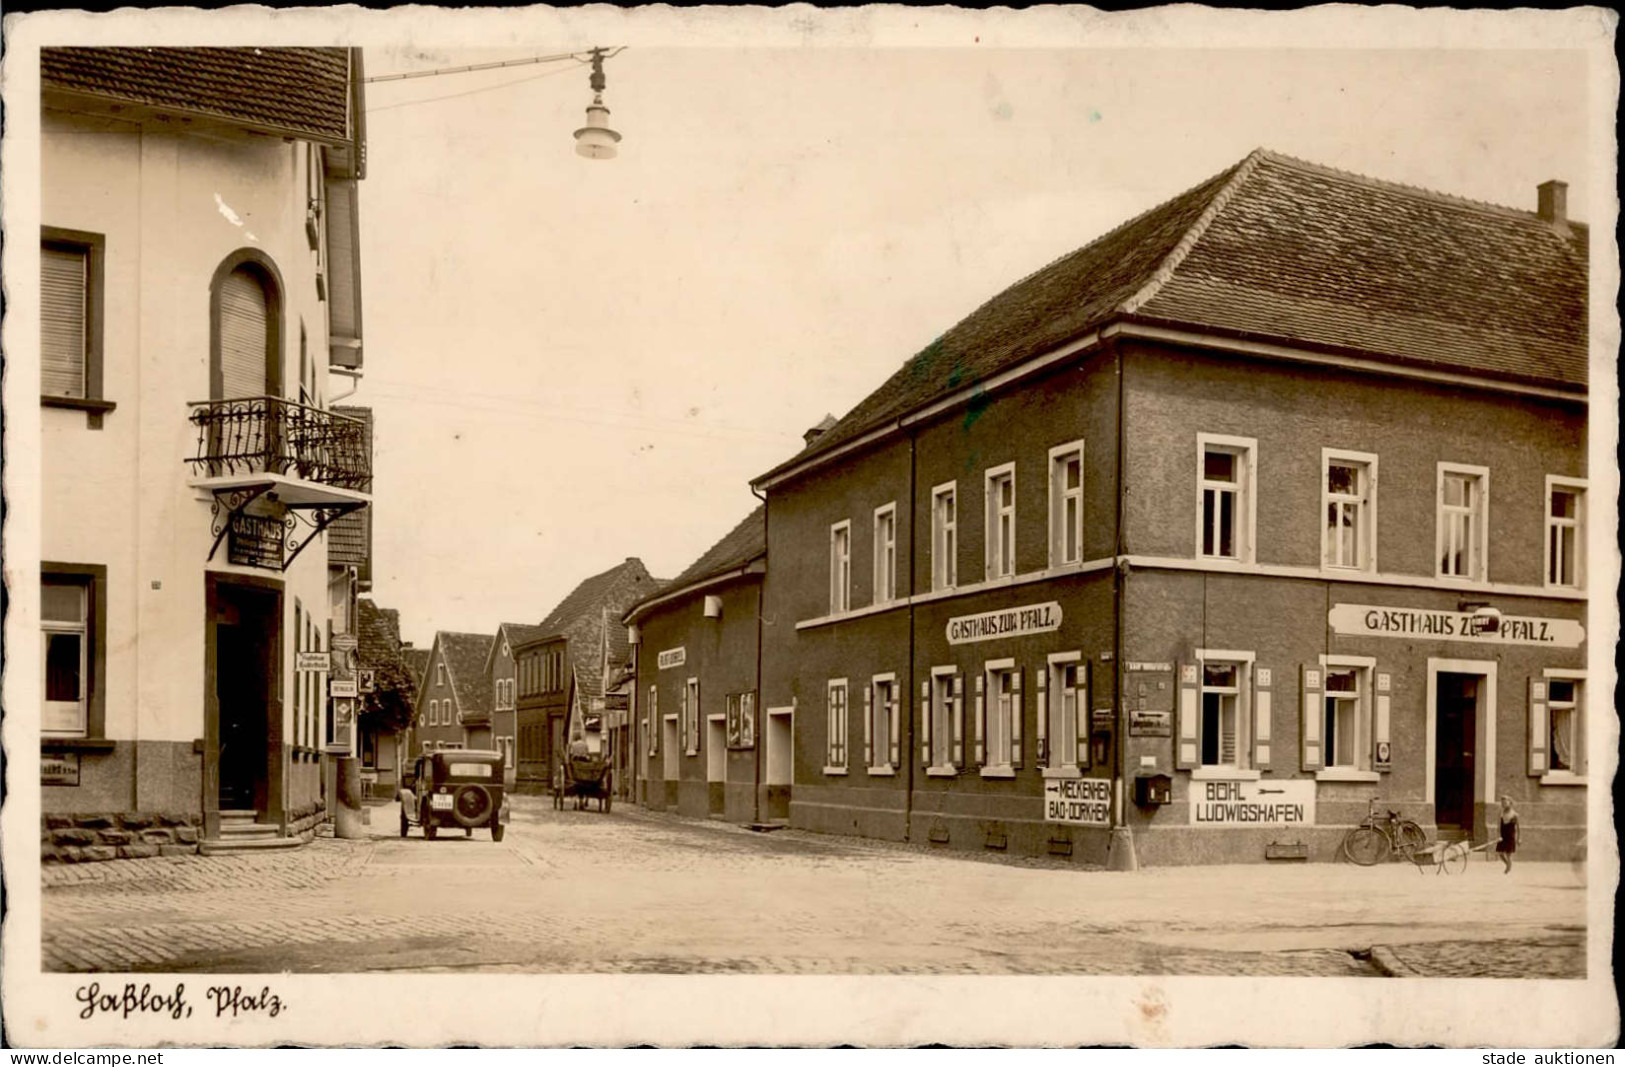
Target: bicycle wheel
[
  {"x": 1366, "y": 846},
  {"x": 1455, "y": 859},
  {"x": 1410, "y": 840}
]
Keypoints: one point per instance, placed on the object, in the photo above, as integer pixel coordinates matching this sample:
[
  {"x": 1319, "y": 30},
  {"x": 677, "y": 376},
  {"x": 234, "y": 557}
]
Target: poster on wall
[{"x": 741, "y": 720}]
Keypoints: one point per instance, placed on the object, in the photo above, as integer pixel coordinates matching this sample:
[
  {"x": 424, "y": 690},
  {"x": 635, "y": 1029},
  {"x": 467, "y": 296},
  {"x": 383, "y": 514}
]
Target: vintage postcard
[{"x": 809, "y": 526}]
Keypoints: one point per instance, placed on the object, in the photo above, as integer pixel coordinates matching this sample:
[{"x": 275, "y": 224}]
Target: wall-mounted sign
[
  {"x": 341, "y": 727},
  {"x": 1078, "y": 801},
  {"x": 369, "y": 682},
  {"x": 1148, "y": 697},
  {"x": 672, "y": 657},
  {"x": 741, "y": 723},
  {"x": 1244, "y": 802},
  {"x": 59, "y": 768},
  {"x": 1376, "y": 621},
  {"x": 312, "y": 661},
  {"x": 256, "y": 541},
  {"x": 1150, "y": 723},
  {"x": 1006, "y": 622},
  {"x": 343, "y": 652},
  {"x": 341, "y": 687}
]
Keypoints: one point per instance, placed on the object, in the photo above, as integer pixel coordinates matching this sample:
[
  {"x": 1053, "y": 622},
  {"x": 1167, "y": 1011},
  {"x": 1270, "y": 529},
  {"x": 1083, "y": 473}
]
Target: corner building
[{"x": 1268, "y": 504}]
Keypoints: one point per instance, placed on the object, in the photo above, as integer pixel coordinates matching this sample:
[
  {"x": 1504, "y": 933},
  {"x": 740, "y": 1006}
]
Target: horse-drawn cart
[{"x": 583, "y": 777}]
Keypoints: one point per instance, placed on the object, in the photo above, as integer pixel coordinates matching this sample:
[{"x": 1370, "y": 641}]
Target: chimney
[
  {"x": 1554, "y": 202},
  {"x": 815, "y": 432}
]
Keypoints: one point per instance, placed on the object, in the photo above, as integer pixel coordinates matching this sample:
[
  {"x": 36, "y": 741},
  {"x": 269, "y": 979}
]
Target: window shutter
[
  {"x": 1041, "y": 675},
  {"x": 64, "y": 283},
  {"x": 981, "y": 721},
  {"x": 1309, "y": 713},
  {"x": 926, "y": 714},
  {"x": 1015, "y": 719},
  {"x": 1538, "y": 728},
  {"x": 959, "y": 720},
  {"x": 1262, "y": 706},
  {"x": 1380, "y": 754},
  {"x": 1080, "y": 715},
  {"x": 244, "y": 336},
  {"x": 892, "y": 708},
  {"x": 869, "y": 725},
  {"x": 1189, "y": 744}
]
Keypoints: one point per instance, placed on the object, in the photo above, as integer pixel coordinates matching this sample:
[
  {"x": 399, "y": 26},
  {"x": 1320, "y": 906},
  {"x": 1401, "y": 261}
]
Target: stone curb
[{"x": 1389, "y": 964}]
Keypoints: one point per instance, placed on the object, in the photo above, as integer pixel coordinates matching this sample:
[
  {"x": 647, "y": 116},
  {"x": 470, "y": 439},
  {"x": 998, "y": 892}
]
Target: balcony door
[{"x": 246, "y": 356}]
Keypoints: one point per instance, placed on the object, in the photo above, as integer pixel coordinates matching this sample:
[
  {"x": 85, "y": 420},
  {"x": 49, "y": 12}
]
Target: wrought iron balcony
[{"x": 241, "y": 437}]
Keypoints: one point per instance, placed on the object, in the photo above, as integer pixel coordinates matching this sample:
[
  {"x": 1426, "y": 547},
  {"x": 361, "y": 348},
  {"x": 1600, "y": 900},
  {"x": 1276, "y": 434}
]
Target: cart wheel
[
  {"x": 429, "y": 829},
  {"x": 497, "y": 831},
  {"x": 1455, "y": 859},
  {"x": 609, "y": 802}
]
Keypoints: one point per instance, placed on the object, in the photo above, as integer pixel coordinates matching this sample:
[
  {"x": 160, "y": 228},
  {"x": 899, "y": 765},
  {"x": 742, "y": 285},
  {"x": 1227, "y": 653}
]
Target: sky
[{"x": 575, "y": 361}]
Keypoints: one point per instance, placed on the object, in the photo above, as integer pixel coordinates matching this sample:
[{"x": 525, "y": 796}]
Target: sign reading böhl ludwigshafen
[
  {"x": 1379, "y": 621},
  {"x": 1006, "y": 622}
]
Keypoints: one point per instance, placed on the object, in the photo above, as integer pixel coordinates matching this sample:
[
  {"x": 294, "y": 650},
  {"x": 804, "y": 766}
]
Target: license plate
[{"x": 440, "y": 802}]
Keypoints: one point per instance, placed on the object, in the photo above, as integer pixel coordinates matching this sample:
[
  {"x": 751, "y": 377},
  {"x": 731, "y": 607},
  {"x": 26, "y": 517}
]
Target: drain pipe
[
  {"x": 760, "y": 709},
  {"x": 1120, "y": 854},
  {"x": 906, "y": 756},
  {"x": 355, "y": 383}
]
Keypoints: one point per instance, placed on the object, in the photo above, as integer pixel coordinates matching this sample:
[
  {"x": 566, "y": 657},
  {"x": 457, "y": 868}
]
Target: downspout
[
  {"x": 761, "y": 713},
  {"x": 910, "y": 746},
  {"x": 1120, "y": 851}
]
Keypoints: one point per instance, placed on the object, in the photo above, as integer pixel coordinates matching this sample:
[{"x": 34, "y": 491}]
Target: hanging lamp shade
[{"x": 596, "y": 140}]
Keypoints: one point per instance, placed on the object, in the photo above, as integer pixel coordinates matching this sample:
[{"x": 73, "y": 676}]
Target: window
[
  {"x": 1001, "y": 521},
  {"x": 64, "y": 618},
  {"x": 1463, "y": 521},
  {"x": 885, "y": 553},
  {"x": 691, "y": 716},
  {"x": 1066, "y": 504},
  {"x": 1224, "y": 719},
  {"x": 944, "y": 537},
  {"x": 71, "y": 320},
  {"x": 1565, "y": 532},
  {"x": 882, "y": 734},
  {"x": 840, "y": 567},
  {"x": 1225, "y": 518},
  {"x": 439, "y": 674},
  {"x": 1067, "y": 706},
  {"x": 1347, "y": 715},
  {"x": 1002, "y": 710},
  {"x": 836, "y": 704},
  {"x": 1349, "y": 488},
  {"x": 943, "y": 723},
  {"x": 1563, "y": 715}
]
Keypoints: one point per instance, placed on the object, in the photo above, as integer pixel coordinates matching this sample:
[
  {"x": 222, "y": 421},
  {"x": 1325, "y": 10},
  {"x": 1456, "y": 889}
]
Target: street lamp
[{"x": 596, "y": 140}]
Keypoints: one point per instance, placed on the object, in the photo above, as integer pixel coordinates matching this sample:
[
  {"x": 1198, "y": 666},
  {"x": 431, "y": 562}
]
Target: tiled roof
[
  {"x": 1283, "y": 250},
  {"x": 745, "y": 542},
  {"x": 378, "y": 632},
  {"x": 417, "y": 661},
  {"x": 465, "y": 659},
  {"x": 583, "y": 616},
  {"x": 303, "y": 90}
]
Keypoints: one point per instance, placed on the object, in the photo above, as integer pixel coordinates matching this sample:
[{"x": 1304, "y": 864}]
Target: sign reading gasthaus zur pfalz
[
  {"x": 1006, "y": 622},
  {"x": 1243, "y": 802}
]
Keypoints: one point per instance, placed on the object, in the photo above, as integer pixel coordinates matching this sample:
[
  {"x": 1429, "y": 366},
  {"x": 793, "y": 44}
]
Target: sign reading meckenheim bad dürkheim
[
  {"x": 1006, "y": 622},
  {"x": 1243, "y": 802},
  {"x": 1380, "y": 621},
  {"x": 1079, "y": 801}
]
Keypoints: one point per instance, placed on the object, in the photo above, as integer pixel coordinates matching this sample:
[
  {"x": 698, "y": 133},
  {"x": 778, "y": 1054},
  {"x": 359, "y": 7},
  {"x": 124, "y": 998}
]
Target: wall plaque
[{"x": 60, "y": 768}]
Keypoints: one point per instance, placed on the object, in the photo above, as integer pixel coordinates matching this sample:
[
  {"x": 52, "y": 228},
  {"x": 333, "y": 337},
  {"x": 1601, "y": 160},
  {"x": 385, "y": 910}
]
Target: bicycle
[{"x": 1379, "y": 837}]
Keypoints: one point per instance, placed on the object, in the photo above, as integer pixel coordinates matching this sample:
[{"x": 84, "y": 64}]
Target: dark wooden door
[
  {"x": 1455, "y": 741},
  {"x": 245, "y": 652}
]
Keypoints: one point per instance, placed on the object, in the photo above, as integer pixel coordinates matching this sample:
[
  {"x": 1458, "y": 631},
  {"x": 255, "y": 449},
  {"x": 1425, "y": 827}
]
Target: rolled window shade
[
  {"x": 64, "y": 283},
  {"x": 244, "y": 336}
]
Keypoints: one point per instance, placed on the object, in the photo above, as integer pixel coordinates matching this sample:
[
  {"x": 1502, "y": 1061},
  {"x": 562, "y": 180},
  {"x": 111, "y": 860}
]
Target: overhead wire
[{"x": 472, "y": 92}]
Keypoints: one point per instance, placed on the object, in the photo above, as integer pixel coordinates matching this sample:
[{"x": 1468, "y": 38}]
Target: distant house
[
  {"x": 564, "y": 665},
  {"x": 454, "y": 699},
  {"x": 379, "y": 648},
  {"x": 502, "y": 671}
]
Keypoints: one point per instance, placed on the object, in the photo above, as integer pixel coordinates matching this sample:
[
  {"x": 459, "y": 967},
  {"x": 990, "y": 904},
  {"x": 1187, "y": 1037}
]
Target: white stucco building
[{"x": 200, "y": 310}]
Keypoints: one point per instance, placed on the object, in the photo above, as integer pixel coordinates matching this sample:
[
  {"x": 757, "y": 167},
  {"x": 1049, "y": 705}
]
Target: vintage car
[{"x": 457, "y": 789}]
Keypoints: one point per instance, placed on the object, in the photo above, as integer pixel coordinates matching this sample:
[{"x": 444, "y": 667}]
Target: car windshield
[{"x": 469, "y": 770}]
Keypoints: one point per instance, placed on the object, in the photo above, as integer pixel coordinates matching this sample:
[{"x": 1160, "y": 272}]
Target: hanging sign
[
  {"x": 342, "y": 725},
  {"x": 1248, "y": 802},
  {"x": 341, "y": 687},
  {"x": 672, "y": 657},
  {"x": 1377, "y": 621},
  {"x": 1006, "y": 622},
  {"x": 256, "y": 541},
  {"x": 1078, "y": 801}
]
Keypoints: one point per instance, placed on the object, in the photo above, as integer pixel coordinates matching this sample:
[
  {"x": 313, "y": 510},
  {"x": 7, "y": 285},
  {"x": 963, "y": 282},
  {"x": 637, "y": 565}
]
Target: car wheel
[
  {"x": 403, "y": 822},
  {"x": 497, "y": 831},
  {"x": 429, "y": 828},
  {"x": 472, "y": 807}
]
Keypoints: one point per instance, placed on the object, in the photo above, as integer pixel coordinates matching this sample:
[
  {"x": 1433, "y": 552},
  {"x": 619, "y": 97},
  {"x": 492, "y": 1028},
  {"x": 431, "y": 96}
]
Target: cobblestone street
[{"x": 634, "y": 892}]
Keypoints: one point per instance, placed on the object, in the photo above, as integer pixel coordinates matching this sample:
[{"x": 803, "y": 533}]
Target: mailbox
[{"x": 1153, "y": 789}]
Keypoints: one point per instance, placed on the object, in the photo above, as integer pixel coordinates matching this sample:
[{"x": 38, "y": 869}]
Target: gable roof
[
  {"x": 291, "y": 90},
  {"x": 464, "y": 655},
  {"x": 378, "y": 632},
  {"x": 417, "y": 661},
  {"x": 588, "y": 618},
  {"x": 1277, "y": 248},
  {"x": 744, "y": 544}
]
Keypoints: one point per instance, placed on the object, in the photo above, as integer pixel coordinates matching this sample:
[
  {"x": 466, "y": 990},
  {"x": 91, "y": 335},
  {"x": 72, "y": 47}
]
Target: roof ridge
[
  {"x": 1221, "y": 200},
  {"x": 1389, "y": 185}
]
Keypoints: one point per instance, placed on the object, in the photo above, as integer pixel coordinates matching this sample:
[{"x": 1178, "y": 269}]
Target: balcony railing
[{"x": 267, "y": 435}]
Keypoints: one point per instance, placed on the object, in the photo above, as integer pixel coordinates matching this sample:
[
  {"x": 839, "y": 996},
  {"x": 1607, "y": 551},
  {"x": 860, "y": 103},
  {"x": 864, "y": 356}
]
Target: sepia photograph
[{"x": 894, "y": 521}]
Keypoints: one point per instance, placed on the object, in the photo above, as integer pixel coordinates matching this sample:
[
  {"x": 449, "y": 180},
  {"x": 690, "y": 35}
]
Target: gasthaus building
[
  {"x": 1182, "y": 549},
  {"x": 702, "y": 749}
]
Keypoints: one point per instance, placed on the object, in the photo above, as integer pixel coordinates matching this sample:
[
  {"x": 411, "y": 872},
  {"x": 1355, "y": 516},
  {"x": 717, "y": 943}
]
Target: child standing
[{"x": 1509, "y": 833}]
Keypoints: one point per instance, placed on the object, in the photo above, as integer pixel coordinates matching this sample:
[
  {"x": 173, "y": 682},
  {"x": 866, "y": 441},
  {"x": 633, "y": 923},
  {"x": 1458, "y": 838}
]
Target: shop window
[
  {"x": 1001, "y": 521},
  {"x": 840, "y": 567},
  {"x": 1463, "y": 522},
  {"x": 882, "y": 735},
  {"x": 1001, "y": 714},
  {"x": 1564, "y": 715},
  {"x": 1349, "y": 487},
  {"x": 835, "y": 756},
  {"x": 944, "y": 537},
  {"x": 1224, "y": 741},
  {"x": 1065, "y": 714},
  {"x": 1565, "y": 533},
  {"x": 885, "y": 554},
  {"x": 1226, "y": 476},
  {"x": 1347, "y": 715},
  {"x": 1066, "y": 504}
]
